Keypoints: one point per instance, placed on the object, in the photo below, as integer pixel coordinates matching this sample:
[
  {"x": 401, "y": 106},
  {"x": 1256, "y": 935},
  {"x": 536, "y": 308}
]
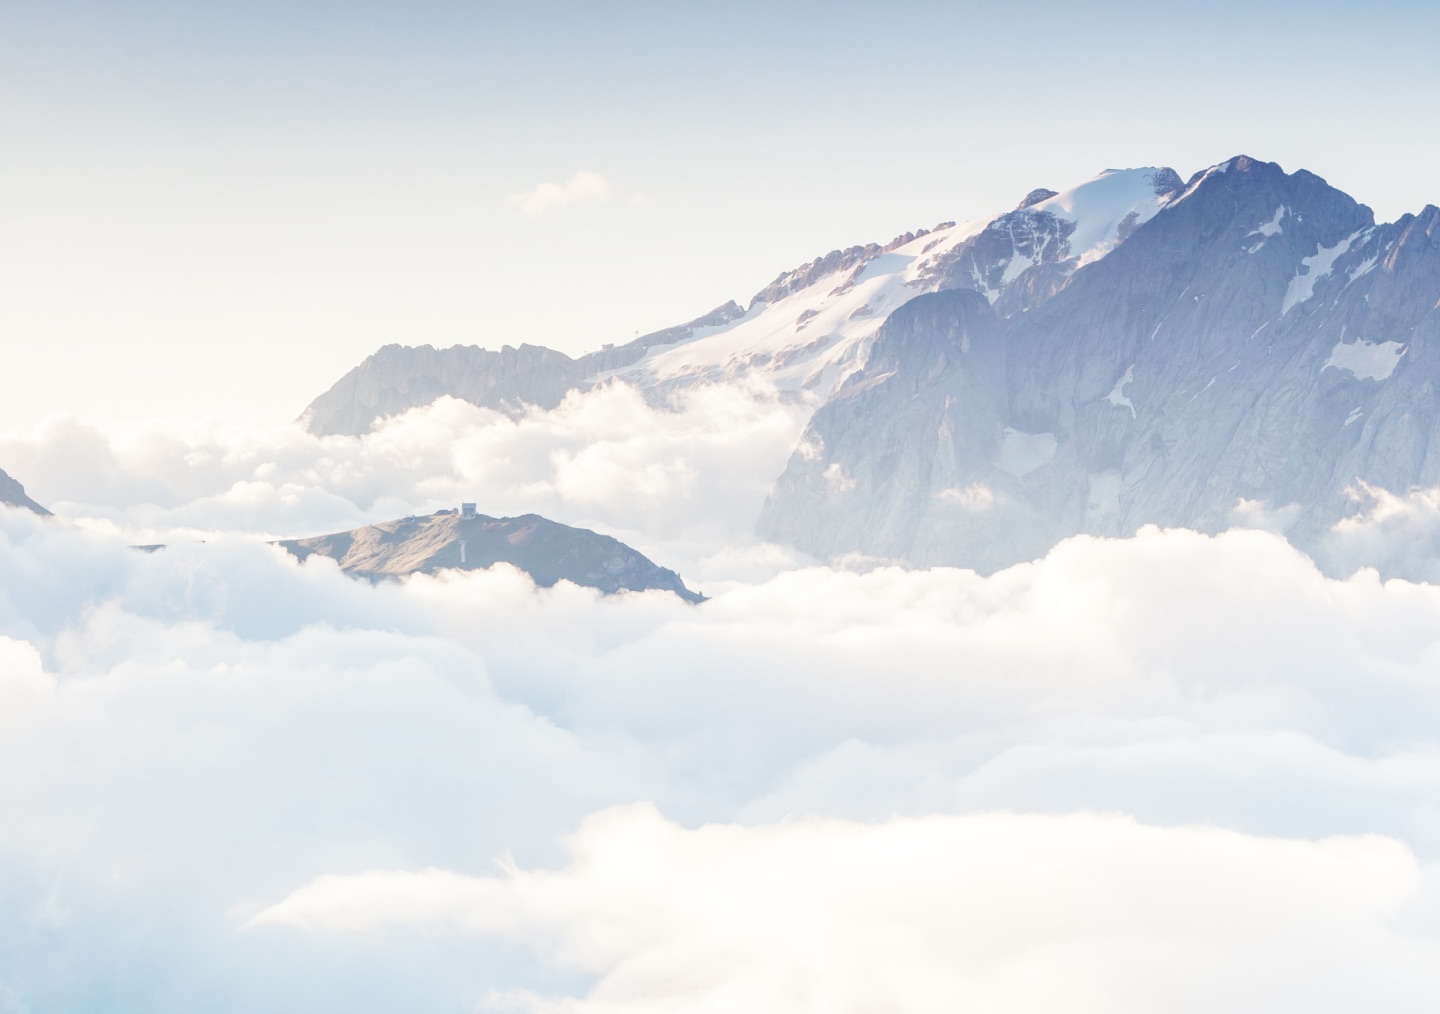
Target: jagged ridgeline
[
  {"x": 806, "y": 330},
  {"x": 1137, "y": 349}
]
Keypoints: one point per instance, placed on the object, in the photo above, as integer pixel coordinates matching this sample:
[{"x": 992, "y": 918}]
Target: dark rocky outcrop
[
  {"x": 1035, "y": 197},
  {"x": 546, "y": 550}
]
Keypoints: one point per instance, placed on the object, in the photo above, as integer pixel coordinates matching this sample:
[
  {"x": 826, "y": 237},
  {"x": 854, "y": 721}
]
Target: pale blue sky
[{"x": 214, "y": 210}]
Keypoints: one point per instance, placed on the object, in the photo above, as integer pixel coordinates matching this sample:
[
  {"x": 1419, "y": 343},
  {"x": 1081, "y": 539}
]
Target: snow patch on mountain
[
  {"x": 1363, "y": 268},
  {"x": 1272, "y": 227},
  {"x": 1117, "y": 200},
  {"x": 1366, "y": 360},
  {"x": 1312, "y": 269},
  {"x": 1117, "y": 396},
  {"x": 1267, "y": 230},
  {"x": 810, "y": 338},
  {"x": 1199, "y": 180}
]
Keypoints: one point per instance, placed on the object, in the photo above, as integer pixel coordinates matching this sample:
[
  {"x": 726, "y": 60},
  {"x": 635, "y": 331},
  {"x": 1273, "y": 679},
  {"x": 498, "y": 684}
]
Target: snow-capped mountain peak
[
  {"x": 1257, "y": 339},
  {"x": 811, "y": 327}
]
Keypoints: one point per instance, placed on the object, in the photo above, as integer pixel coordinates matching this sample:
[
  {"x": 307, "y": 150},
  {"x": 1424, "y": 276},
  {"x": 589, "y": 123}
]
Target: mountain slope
[
  {"x": 807, "y": 330},
  {"x": 13, "y": 494},
  {"x": 1260, "y": 339},
  {"x": 546, "y": 550}
]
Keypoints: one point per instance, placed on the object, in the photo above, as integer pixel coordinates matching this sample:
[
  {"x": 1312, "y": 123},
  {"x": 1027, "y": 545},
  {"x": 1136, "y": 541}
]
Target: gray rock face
[
  {"x": 1036, "y": 196},
  {"x": 1259, "y": 339},
  {"x": 398, "y": 378},
  {"x": 12, "y": 493},
  {"x": 546, "y": 550}
]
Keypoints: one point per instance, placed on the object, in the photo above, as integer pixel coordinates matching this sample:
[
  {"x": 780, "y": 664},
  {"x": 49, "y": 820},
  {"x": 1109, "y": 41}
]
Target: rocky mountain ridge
[
  {"x": 805, "y": 331},
  {"x": 1262, "y": 345},
  {"x": 401, "y": 377},
  {"x": 1248, "y": 345},
  {"x": 546, "y": 550}
]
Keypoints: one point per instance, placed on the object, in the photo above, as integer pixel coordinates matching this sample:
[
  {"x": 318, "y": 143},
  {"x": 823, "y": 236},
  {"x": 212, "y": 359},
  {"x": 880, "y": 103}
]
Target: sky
[{"x": 211, "y": 211}]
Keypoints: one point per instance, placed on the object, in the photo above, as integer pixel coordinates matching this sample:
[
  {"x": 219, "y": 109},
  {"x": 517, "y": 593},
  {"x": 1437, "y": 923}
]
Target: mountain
[
  {"x": 1136, "y": 350},
  {"x": 13, "y": 494},
  {"x": 1259, "y": 341},
  {"x": 808, "y": 330},
  {"x": 400, "y": 377},
  {"x": 546, "y": 550}
]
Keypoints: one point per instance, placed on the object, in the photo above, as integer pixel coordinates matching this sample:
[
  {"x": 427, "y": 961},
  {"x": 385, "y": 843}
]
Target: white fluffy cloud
[
  {"x": 585, "y": 187},
  {"x": 985, "y": 913},
  {"x": 214, "y": 737},
  {"x": 1397, "y": 534},
  {"x": 234, "y": 782},
  {"x": 683, "y": 483}
]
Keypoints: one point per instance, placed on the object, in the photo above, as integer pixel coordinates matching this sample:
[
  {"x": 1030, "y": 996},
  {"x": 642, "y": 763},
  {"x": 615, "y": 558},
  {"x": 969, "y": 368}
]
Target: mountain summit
[
  {"x": 1139, "y": 349},
  {"x": 807, "y": 330},
  {"x": 463, "y": 540},
  {"x": 1260, "y": 342}
]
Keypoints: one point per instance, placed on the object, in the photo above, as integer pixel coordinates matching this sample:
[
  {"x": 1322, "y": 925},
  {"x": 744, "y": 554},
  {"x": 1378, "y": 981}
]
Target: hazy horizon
[{"x": 231, "y": 205}]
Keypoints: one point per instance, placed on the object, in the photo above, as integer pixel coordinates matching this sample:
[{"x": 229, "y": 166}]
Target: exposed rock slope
[
  {"x": 546, "y": 550},
  {"x": 1259, "y": 340},
  {"x": 400, "y": 377},
  {"x": 12, "y": 493},
  {"x": 1134, "y": 350}
]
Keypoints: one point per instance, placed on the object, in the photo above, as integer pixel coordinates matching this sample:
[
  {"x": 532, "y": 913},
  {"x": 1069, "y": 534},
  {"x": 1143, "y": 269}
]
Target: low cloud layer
[
  {"x": 1397, "y": 534},
  {"x": 985, "y": 913},
  {"x": 1189, "y": 769},
  {"x": 683, "y": 483},
  {"x": 1176, "y": 771}
]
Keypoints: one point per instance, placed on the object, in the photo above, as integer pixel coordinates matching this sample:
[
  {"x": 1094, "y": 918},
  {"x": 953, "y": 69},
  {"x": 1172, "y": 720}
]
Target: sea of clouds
[{"x": 1175, "y": 772}]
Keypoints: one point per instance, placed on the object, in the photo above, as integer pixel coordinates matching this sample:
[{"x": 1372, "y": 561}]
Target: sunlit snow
[
  {"x": 1117, "y": 396},
  {"x": 1272, "y": 227},
  {"x": 1312, "y": 269},
  {"x": 813, "y": 338},
  {"x": 1366, "y": 360}
]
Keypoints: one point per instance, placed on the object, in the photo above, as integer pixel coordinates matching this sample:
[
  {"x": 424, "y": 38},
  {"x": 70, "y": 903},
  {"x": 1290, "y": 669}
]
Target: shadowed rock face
[
  {"x": 12, "y": 493},
  {"x": 1260, "y": 339},
  {"x": 546, "y": 550}
]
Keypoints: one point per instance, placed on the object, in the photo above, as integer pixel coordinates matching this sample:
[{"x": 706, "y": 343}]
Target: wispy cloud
[{"x": 584, "y": 187}]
